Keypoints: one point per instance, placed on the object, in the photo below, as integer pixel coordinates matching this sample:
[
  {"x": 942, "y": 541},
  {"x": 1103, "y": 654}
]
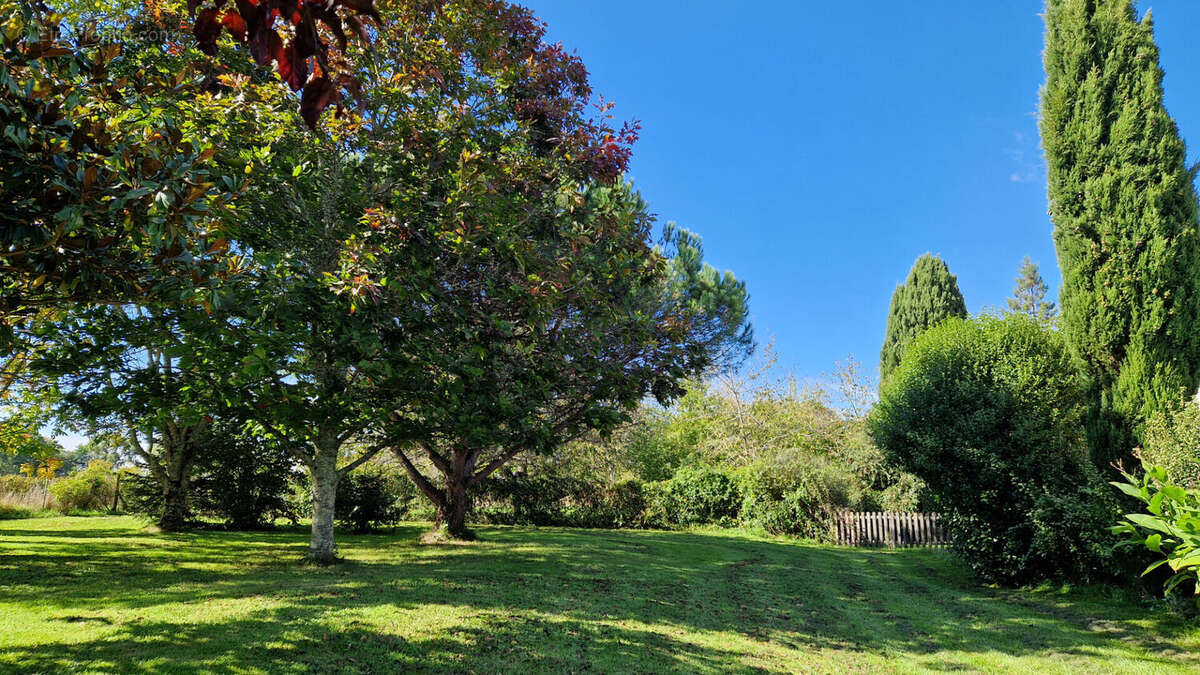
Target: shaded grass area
[{"x": 104, "y": 595}]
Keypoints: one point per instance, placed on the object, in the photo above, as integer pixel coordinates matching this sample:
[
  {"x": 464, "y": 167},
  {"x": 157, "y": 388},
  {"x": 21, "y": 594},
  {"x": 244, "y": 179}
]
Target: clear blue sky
[{"x": 819, "y": 149}]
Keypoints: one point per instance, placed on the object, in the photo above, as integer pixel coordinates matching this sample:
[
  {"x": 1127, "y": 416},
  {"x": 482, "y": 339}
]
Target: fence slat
[{"x": 890, "y": 529}]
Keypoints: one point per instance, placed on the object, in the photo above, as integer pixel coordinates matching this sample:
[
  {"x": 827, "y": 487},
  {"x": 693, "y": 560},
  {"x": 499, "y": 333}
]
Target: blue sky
[{"x": 819, "y": 149}]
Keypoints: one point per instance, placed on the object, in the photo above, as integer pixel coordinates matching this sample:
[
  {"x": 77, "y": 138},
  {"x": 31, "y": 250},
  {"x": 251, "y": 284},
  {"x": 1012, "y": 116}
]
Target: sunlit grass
[{"x": 102, "y": 595}]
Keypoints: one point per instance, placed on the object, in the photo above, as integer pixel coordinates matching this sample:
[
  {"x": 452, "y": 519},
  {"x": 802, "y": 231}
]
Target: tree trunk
[
  {"x": 325, "y": 477},
  {"x": 173, "y": 468},
  {"x": 452, "y": 510},
  {"x": 174, "y": 513}
]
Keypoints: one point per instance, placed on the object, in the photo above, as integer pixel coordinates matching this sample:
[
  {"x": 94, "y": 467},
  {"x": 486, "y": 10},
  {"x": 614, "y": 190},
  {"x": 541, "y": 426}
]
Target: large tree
[
  {"x": 564, "y": 339},
  {"x": 156, "y": 375},
  {"x": 1125, "y": 217},
  {"x": 929, "y": 296}
]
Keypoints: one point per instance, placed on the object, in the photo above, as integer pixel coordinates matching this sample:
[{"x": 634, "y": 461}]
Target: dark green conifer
[
  {"x": 1125, "y": 217},
  {"x": 929, "y": 296}
]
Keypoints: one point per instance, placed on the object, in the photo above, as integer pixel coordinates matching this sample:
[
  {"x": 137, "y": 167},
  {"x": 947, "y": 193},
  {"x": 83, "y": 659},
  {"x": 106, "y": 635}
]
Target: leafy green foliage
[
  {"x": 90, "y": 489},
  {"x": 1172, "y": 441},
  {"x": 1125, "y": 218},
  {"x": 698, "y": 496},
  {"x": 1170, "y": 528},
  {"x": 795, "y": 492},
  {"x": 929, "y": 296},
  {"x": 552, "y": 498},
  {"x": 108, "y": 192},
  {"x": 242, "y": 478},
  {"x": 157, "y": 375},
  {"x": 373, "y": 497},
  {"x": 987, "y": 412}
]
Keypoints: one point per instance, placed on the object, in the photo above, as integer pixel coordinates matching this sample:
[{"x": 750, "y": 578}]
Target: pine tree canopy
[
  {"x": 1029, "y": 294},
  {"x": 1125, "y": 217},
  {"x": 929, "y": 296}
]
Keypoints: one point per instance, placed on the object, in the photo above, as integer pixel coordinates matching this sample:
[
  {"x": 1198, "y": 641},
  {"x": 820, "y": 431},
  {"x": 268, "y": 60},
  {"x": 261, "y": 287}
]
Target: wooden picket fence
[{"x": 894, "y": 530}]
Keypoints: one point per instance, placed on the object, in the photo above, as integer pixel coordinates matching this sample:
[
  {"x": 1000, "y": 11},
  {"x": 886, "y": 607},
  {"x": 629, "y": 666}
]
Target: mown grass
[{"x": 104, "y": 595}]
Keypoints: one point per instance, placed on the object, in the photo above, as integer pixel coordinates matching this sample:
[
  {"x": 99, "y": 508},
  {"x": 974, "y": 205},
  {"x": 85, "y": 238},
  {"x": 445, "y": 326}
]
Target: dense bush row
[{"x": 798, "y": 498}]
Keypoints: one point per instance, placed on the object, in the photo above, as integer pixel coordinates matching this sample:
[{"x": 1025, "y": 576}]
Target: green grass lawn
[{"x": 100, "y": 595}]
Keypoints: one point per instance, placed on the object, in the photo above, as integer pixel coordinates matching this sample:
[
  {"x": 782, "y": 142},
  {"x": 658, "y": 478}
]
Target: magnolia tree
[
  {"x": 158, "y": 376},
  {"x": 504, "y": 273}
]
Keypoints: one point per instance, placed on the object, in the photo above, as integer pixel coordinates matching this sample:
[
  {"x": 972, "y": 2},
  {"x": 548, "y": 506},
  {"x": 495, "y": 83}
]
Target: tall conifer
[
  {"x": 929, "y": 296},
  {"x": 1125, "y": 217}
]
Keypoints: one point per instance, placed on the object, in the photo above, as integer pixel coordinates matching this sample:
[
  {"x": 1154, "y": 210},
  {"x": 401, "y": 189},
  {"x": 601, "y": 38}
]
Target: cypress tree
[
  {"x": 1125, "y": 217},
  {"x": 1029, "y": 295},
  {"x": 929, "y": 296}
]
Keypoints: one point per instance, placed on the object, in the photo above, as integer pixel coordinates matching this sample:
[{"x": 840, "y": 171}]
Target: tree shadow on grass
[{"x": 546, "y": 600}]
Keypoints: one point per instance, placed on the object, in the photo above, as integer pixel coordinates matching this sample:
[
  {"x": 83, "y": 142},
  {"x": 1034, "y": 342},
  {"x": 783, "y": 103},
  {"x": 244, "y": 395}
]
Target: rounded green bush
[
  {"x": 700, "y": 496},
  {"x": 87, "y": 489},
  {"x": 798, "y": 492},
  {"x": 988, "y": 412}
]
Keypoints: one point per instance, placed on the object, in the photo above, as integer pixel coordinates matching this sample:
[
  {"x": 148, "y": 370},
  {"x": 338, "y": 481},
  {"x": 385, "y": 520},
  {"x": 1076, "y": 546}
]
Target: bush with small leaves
[
  {"x": 89, "y": 489},
  {"x": 372, "y": 498},
  {"x": 1171, "y": 440},
  {"x": 699, "y": 496},
  {"x": 798, "y": 492}
]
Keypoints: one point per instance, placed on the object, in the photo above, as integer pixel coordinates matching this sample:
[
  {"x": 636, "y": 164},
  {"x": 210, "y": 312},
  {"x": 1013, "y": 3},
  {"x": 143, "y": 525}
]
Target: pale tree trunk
[
  {"x": 172, "y": 465},
  {"x": 322, "y": 469}
]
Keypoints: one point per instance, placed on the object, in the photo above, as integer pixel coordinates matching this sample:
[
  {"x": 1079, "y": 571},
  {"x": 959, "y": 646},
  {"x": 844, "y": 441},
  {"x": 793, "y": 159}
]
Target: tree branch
[
  {"x": 366, "y": 456},
  {"x": 422, "y": 483}
]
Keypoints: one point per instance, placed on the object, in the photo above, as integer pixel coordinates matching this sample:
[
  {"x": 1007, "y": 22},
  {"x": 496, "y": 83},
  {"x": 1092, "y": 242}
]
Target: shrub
[
  {"x": 1172, "y": 441},
  {"x": 243, "y": 480},
  {"x": 622, "y": 504},
  {"x": 988, "y": 413},
  {"x": 699, "y": 496},
  {"x": 797, "y": 492},
  {"x": 509, "y": 498},
  {"x": 1171, "y": 528},
  {"x": 90, "y": 489},
  {"x": 548, "y": 498},
  {"x": 906, "y": 495},
  {"x": 372, "y": 497},
  {"x": 20, "y": 491}
]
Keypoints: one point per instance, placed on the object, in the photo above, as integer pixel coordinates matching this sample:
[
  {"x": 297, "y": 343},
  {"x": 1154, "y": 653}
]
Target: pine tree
[
  {"x": 929, "y": 296},
  {"x": 1125, "y": 217},
  {"x": 1029, "y": 295}
]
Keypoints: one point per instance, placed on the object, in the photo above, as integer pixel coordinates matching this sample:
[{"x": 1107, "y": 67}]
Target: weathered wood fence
[{"x": 894, "y": 530}]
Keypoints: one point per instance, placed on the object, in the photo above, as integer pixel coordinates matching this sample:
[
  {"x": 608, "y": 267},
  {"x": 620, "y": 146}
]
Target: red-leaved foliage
[{"x": 300, "y": 53}]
